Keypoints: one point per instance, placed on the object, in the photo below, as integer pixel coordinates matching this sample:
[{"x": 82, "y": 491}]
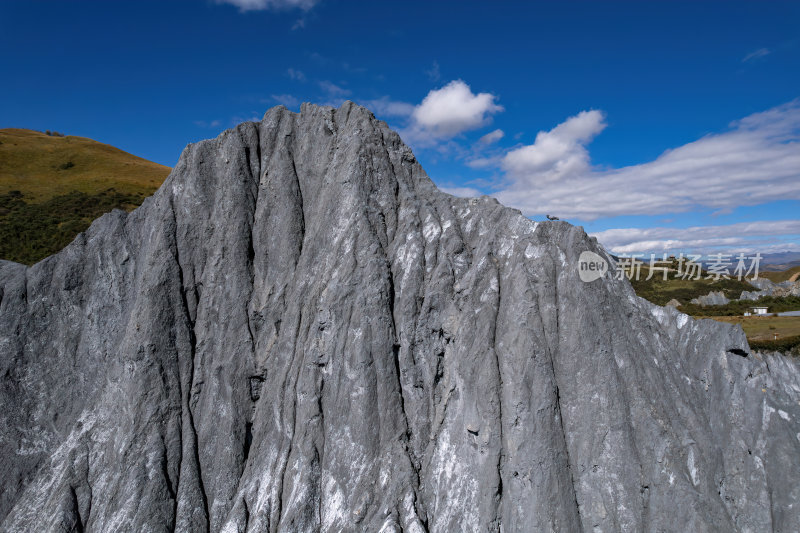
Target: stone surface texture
[
  {"x": 768, "y": 288},
  {"x": 712, "y": 298},
  {"x": 299, "y": 332}
]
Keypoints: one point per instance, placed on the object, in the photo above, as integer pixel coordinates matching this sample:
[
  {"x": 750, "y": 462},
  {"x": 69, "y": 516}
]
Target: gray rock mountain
[
  {"x": 712, "y": 298},
  {"x": 752, "y": 295},
  {"x": 769, "y": 288},
  {"x": 299, "y": 332}
]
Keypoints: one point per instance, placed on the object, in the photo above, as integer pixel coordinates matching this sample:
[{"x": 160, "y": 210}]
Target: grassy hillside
[
  {"x": 765, "y": 333},
  {"x": 660, "y": 291},
  {"x": 784, "y": 275},
  {"x": 765, "y": 328},
  {"x": 769, "y": 333},
  {"x": 776, "y": 304},
  {"x": 52, "y": 187},
  {"x": 43, "y": 166}
]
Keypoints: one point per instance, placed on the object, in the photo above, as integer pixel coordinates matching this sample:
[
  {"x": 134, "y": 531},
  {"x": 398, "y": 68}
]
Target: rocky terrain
[
  {"x": 768, "y": 288},
  {"x": 712, "y": 298},
  {"x": 299, "y": 332}
]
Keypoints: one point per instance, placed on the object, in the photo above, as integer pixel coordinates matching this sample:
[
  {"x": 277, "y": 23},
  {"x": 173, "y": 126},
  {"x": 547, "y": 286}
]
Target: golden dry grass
[
  {"x": 41, "y": 166},
  {"x": 791, "y": 274},
  {"x": 765, "y": 327}
]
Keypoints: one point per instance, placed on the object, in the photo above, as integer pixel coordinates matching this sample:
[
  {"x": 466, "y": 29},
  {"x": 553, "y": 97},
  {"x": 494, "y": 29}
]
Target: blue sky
[{"x": 655, "y": 125}]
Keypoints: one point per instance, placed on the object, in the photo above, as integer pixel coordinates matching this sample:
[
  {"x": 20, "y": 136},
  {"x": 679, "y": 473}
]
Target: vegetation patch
[
  {"x": 29, "y": 232},
  {"x": 788, "y": 345},
  {"x": 765, "y": 328},
  {"x": 660, "y": 291},
  {"x": 783, "y": 275},
  {"x": 776, "y": 304},
  {"x": 52, "y": 186},
  {"x": 43, "y": 166}
]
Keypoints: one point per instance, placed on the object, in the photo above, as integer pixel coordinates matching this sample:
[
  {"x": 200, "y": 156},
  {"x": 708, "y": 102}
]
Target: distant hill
[
  {"x": 784, "y": 275},
  {"x": 660, "y": 291},
  {"x": 777, "y": 262},
  {"x": 52, "y": 187}
]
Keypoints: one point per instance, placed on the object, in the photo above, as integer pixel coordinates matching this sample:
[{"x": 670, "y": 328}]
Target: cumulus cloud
[
  {"x": 744, "y": 236},
  {"x": 492, "y": 137},
  {"x": 755, "y": 55},
  {"x": 275, "y": 5},
  {"x": 451, "y": 110},
  {"x": 756, "y": 161},
  {"x": 558, "y": 153}
]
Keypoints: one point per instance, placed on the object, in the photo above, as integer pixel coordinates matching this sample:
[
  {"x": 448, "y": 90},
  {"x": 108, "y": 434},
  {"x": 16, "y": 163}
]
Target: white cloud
[
  {"x": 207, "y": 124},
  {"x": 385, "y": 106},
  {"x": 557, "y": 153},
  {"x": 238, "y": 119},
  {"x": 744, "y": 236},
  {"x": 295, "y": 74},
  {"x": 286, "y": 100},
  {"x": 484, "y": 162},
  {"x": 250, "y": 116},
  {"x": 275, "y": 5},
  {"x": 756, "y": 161},
  {"x": 463, "y": 192},
  {"x": 453, "y": 109},
  {"x": 350, "y": 68},
  {"x": 334, "y": 90},
  {"x": 434, "y": 73},
  {"x": 756, "y": 55},
  {"x": 492, "y": 137}
]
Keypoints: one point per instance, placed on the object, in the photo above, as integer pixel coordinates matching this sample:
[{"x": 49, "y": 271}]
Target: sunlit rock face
[{"x": 299, "y": 332}]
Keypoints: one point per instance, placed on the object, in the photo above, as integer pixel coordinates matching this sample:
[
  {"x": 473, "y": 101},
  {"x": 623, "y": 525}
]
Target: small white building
[{"x": 756, "y": 311}]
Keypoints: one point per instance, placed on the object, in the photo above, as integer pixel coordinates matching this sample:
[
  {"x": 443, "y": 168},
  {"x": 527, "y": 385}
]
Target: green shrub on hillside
[
  {"x": 660, "y": 291},
  {"x": 788, "y": 345},
  {"x": 29, "y": 232},
  {"x": 776, "y": 304}
]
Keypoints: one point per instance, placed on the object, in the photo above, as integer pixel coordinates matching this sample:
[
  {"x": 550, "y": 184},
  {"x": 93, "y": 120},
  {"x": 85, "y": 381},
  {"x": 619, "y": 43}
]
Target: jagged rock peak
[{"x": 299, "y": 332}]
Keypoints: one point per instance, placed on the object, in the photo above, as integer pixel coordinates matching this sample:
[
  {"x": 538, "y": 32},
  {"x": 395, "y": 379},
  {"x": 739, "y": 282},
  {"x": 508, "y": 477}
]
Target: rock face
[
  {"x": 299, "y": 332},
  {"x": 712, "y": 298},
  {"x": 768, "y": 288},
  {"x": 752, "y": 295}
]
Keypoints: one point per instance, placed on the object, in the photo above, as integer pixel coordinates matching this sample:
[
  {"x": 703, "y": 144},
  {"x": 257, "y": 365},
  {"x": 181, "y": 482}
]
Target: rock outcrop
[
  {"x": 299, "y": 332},
  {"x": 769, "y": 288},
  {"x": 712, "y": 298},
  {"x": 752, "y": 295}
]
